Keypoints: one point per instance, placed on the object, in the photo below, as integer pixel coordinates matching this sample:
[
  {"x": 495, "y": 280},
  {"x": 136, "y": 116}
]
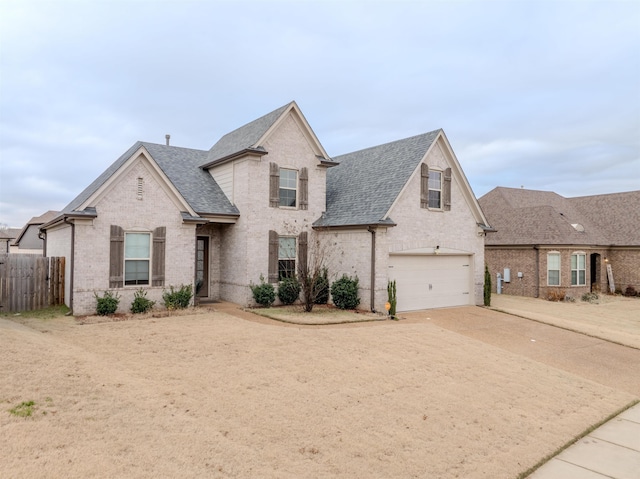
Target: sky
[{"x": 537, "y": 94}]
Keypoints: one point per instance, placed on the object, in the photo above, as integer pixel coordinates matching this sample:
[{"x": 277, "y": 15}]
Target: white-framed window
[
  {"x": 286, "y": 257},
  {"x": 288, "y": 188},
  {"x": 578, "y": 269},
  {"x": 137, "y": 258},
  {"x": 435, "y": 189},
  {"x": 553, "y": 269}
]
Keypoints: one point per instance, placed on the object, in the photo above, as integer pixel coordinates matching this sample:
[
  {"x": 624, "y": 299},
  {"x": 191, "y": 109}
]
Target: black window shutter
[
  {"x": 273, "y": 256},
  {"x": 304, "y": 189},
  {"x": 116, "y": 257},
  {"x": 424, "y": 185},
  {"x": 274, "y": 185},
  {"x": 302, "y": 254},
  {"x": 446, "y": 193},
  {"x": 157, "y": 262}
]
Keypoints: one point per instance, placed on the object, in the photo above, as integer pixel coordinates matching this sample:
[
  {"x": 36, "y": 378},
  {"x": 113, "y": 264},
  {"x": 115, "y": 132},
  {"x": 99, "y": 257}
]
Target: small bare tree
[{"x": 312, "y": 272}]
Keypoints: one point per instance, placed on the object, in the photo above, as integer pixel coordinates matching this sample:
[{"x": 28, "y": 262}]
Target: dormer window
[{"x": 288, "y": 188}]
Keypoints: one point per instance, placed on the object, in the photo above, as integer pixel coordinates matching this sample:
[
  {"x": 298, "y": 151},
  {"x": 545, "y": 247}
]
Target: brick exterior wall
[
  {"x": 625, "y": 265},
  {"x": 245, "y": 245},
  {"x": 119, "y": 205}
]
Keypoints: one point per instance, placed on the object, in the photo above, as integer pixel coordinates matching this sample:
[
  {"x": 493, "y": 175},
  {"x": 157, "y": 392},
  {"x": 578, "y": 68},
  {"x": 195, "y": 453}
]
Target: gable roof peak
[{"x": 247, "y": 136}]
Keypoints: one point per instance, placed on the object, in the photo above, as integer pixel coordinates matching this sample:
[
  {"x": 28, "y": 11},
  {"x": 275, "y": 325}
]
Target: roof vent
[
  {"x": 578, "y": 227},
  {"x": 167, "y": 137}
]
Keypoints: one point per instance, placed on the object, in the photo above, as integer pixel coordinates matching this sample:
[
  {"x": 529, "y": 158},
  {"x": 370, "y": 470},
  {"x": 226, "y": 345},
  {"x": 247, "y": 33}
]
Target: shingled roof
[
  {"x": 243, "y": 138},
  {"x": 362, "y": 188},
  {"x": 526, "y": 217},
  {"x": 181, "y": 166}
]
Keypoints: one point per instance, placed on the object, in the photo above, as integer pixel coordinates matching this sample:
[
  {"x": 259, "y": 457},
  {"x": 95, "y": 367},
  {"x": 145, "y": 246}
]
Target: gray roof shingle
[
  {"x": 526, "y": 217},
  {"x": 244, "y": 137},
  {"x": 181, "y": 165},
  {"x": 364, "y": 185}
]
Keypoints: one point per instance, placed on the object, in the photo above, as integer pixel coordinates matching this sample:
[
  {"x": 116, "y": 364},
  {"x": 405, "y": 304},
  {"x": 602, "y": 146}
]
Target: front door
[{"x": 202, "y": 266}]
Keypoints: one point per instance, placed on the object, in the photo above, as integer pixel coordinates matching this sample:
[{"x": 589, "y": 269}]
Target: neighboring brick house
[
  {"x": 548, "y": 243},
  {"x": 7, "y": 238},
  {"x": 264, "y": 198}
]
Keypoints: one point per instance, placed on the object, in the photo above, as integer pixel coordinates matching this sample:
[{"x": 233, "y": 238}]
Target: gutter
[{"x": 373, "y": 268}]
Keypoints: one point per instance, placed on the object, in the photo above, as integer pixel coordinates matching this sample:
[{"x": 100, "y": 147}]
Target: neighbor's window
[
  {"x": 288, "y": 187},
  {"x": 553, "y": 269},
  {"x": 435, "y": 189},
  {"x": 137, "y": 254},
  {"x": 578, "y": 269},
  {"x": 286, "y": 257}
]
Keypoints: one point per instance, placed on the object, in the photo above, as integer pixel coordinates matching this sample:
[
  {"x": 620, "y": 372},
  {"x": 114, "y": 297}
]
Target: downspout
[
  {"x": 71, "y": 261},
  {"x": 373, "y": 268},
  {"x": 42, "y": 234},
  {"x": 537, "y": 248}
]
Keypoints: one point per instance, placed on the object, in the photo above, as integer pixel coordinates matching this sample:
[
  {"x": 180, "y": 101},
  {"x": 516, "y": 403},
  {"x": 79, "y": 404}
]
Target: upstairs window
[
  {"x": 288, "y": 188},
  {"x": 137, "y": 257},
  {"x": 553, "y": 269},
  {"x": 578, "y": 269},
  {"x": 435, "y": 189}
]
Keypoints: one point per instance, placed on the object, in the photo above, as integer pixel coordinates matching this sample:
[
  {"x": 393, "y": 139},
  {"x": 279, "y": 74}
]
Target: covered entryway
[{"x": 432, "y": 281}]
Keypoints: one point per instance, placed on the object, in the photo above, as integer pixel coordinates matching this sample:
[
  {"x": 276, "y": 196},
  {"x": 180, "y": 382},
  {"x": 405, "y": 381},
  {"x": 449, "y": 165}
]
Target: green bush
[
  {"x": 264, "y": 293},
  {"x": 141, "y": 304},
  {"x": 487, "y": 286},
  {"x": 321, "y": 287},
  {"x": 178, "y": 299},
  {"x": 289, "y": 290},
  {"x": 344, "y": 292},
  {"x": 108, "y": 304},
  {"x": 392, "y": 297}
]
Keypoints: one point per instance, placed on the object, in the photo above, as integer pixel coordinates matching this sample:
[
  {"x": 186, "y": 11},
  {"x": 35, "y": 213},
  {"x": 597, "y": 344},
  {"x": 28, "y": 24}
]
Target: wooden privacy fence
[{"x": 29, "y": 282}]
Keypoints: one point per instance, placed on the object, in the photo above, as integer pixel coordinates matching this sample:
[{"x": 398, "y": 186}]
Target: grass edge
[{"x": 586, "y": 432}]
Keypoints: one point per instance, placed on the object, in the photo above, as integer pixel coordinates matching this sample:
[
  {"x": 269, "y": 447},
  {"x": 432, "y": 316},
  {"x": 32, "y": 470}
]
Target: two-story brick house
[{"x": 254, "y": 204}]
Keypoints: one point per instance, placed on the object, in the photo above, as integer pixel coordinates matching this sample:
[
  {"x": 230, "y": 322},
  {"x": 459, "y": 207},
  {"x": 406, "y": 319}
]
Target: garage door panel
[{"x": 425, "y": 282}]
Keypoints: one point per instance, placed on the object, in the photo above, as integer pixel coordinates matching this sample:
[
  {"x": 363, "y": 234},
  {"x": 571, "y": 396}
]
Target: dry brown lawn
[{"x": 215, "y": 395}]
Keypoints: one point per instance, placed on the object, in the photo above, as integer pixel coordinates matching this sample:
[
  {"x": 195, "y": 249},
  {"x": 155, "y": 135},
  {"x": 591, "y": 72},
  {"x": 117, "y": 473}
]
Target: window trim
[
  {"x": 577, "y": 270},
  {"x": 439, "y": 190},
  {"x": 295, "y": 189},
  {"x": 148, "y": 259},
  {"x": 559, "y": 270}
]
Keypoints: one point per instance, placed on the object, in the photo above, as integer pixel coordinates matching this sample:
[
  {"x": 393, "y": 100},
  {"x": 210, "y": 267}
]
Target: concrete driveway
[{"x": 593, "y": 358}]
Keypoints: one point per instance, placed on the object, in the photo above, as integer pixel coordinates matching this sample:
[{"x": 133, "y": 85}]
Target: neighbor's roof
[
  {"x": 362, "y": 188},
  {"x": 36, "y": 221},
  {"x": 527, "y": 217},
  {"x": 181, "y": 166}
]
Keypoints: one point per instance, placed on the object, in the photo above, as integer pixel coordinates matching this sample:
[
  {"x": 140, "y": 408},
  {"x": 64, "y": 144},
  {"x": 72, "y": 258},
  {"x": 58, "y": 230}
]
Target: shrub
[
  {"x": 590, "y": 297},
  {"x": 392, "y": 297},
  {"x": 344, "y": 292},
  {"x": 289, "y": 290},
  {"x": 321, "y": 287},
  {"x": 178, "y": 299},
  {"x": 630, "y": 291},
  {"x": 264, "y": 293},
  {"x": 487, "y": 286},
  {"x": 556, "y": 295},
  {"x": 108, "y": 304},
  {"x": 141, "y": 304}
]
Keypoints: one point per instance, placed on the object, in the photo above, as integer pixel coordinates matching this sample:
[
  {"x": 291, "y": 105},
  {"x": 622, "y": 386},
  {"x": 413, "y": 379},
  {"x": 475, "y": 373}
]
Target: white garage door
[{"x": 425, "y": 282}]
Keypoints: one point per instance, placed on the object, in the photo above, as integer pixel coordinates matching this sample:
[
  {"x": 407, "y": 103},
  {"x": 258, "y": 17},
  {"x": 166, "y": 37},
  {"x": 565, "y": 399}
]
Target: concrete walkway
[{"x": 611, "y": 451}]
